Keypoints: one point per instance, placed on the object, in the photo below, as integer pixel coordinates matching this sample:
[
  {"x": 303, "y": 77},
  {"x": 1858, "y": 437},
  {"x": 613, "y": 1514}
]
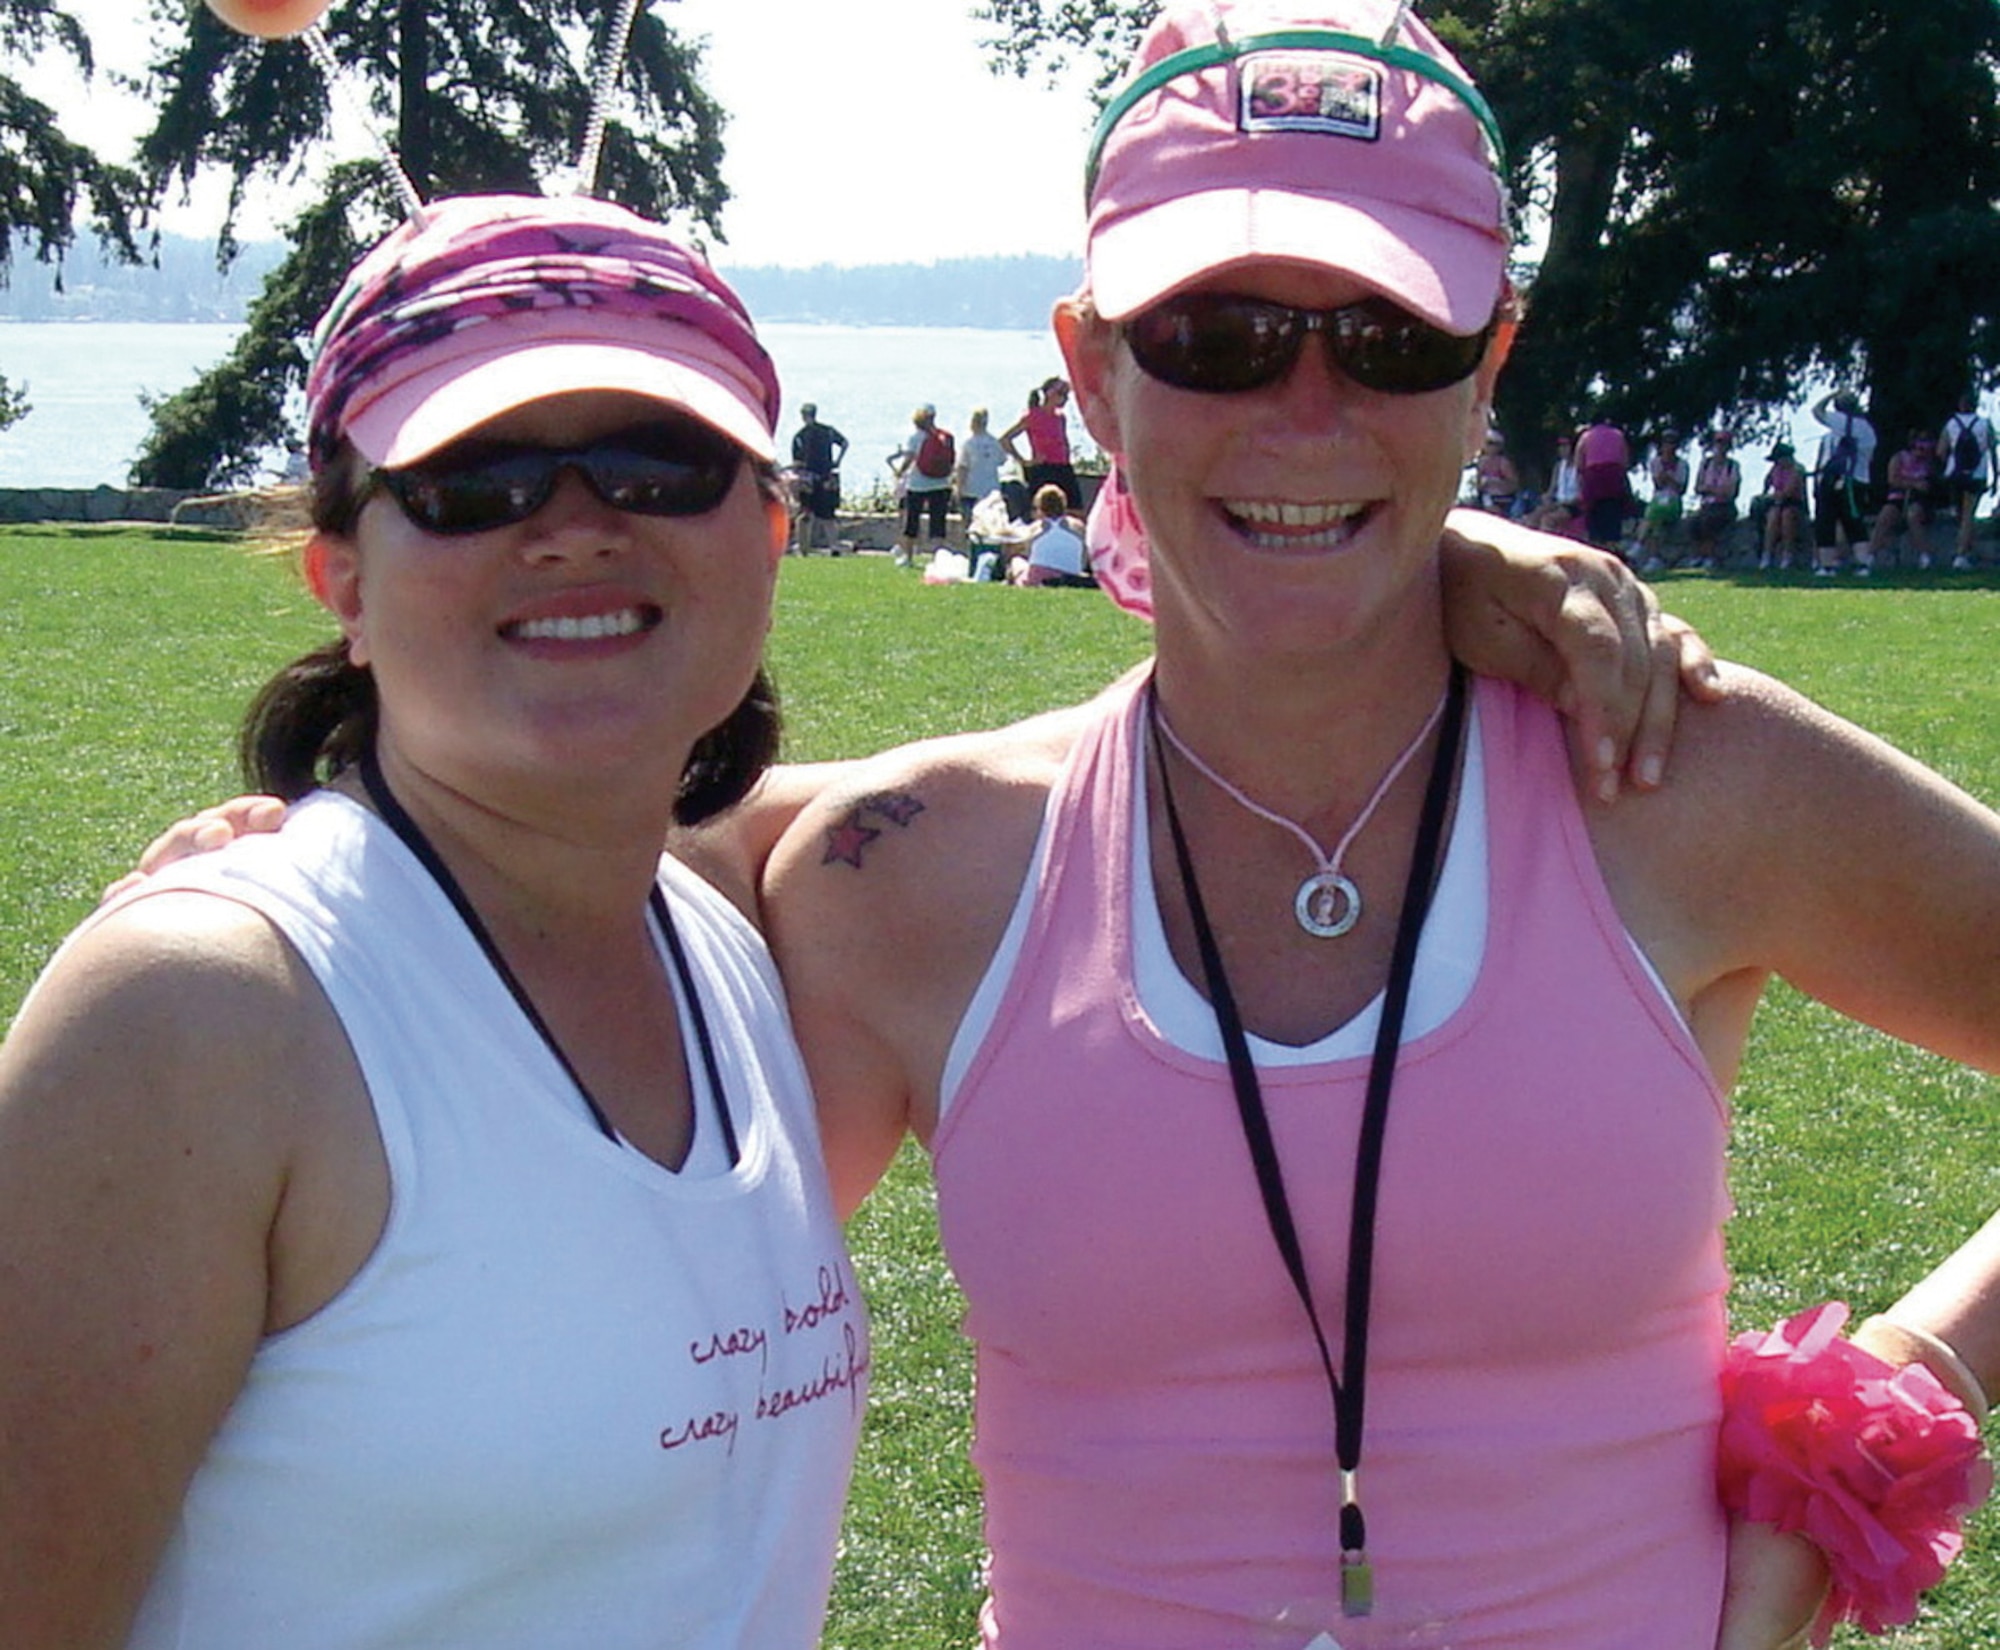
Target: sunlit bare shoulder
[{"x": 1787, "y": 840}]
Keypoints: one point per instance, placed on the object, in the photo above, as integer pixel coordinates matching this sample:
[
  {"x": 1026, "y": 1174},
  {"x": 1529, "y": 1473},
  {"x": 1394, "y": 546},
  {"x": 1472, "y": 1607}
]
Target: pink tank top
[
  {"x": 1152, "y": 1423},
  {"x": 1048, "y": 435},
  {"x": 1603, "y": 444}
]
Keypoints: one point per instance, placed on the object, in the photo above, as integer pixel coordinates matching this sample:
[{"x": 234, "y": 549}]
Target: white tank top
[{"x": 573, "y": 1398}]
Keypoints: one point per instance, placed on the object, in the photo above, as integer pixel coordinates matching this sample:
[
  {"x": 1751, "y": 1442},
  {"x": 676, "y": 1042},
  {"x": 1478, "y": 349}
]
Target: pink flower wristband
[{"x": 1875, "y": 1465}]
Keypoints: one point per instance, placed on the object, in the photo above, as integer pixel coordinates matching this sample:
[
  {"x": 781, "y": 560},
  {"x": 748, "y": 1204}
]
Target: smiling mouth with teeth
[
  {"x": 1278, "y": 525},
  {"x": 593, "y": 627}
]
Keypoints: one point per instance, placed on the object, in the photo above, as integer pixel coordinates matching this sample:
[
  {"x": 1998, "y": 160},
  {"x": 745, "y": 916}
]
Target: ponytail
[{"x": 313, "y": 719}]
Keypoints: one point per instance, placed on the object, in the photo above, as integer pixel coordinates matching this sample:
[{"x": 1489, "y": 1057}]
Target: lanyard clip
[
  {"x": 1357, "y": 1585},
  {"x": 1357, "y": 1577}
]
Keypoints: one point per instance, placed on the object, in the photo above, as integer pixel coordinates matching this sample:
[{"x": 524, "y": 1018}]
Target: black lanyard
[
  {"x": 398, "y": 819},
  {"x": 1349, "y": 1388}
]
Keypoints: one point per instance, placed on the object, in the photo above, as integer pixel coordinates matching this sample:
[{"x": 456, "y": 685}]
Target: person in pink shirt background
[
  {"x": 1906, "y": 502},
  {"x": 1048, "y": 462},
  {"x": 1604, "y": 484},
  {"x": 1784, "y": 508}
]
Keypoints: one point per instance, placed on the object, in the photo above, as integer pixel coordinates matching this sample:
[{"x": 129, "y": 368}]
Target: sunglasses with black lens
[
  {"x": 1219, "y": 343},
  {"x": 656, "y": 469}
]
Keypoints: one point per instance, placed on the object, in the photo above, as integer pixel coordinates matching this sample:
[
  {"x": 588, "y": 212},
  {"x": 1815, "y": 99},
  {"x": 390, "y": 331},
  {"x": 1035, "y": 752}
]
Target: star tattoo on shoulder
[{"x": 848, "y": 840}]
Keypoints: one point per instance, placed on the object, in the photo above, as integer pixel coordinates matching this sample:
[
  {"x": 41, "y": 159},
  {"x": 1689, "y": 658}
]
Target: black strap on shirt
[
  {"x": 398, "y": 819},
  {"x": 1348, "y": 1390}
]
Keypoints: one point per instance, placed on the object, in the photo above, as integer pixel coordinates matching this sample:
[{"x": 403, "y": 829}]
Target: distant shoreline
[{"x": 989, "y": 293}]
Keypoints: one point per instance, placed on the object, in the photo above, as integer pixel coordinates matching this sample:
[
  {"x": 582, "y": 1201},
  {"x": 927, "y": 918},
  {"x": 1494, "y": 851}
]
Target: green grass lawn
[{"x": 125, "y": 657}]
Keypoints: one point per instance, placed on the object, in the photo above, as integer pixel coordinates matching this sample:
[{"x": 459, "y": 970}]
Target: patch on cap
[{"x": 1311, "y": 91}]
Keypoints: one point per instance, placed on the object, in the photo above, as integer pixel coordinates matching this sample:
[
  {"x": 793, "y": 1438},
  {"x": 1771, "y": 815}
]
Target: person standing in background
[
  {"x": 1784, "y": 508},
  {"x": 1965, "y": 447},
  {"x": 980, "y": 456},
  {"x": 1840, "y": 488},
  {"x": 817, "y": 450},
  {"x": 1604, "y": 482},
  {"x": 924, "y": 466},
  {"x": 1048, "y": 461}
]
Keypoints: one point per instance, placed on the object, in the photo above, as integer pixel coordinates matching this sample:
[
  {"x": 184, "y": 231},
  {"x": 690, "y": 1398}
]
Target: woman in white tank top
[{"x": 415, "y": 1225}]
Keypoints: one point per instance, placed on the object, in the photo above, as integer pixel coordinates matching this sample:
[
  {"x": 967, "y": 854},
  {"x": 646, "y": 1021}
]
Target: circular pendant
[{"x": 1328, "y": 905}]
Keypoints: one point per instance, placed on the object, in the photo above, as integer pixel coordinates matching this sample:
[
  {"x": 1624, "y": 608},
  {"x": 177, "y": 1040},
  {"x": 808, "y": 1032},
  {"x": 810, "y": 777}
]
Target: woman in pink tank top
[
  {"x": 1048, "y": 461},
  {"x": 1344, "y": 1273}
]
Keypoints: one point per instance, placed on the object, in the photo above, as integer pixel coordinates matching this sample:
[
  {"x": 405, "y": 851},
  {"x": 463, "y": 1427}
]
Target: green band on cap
[{"x": 1197, "y": 58}]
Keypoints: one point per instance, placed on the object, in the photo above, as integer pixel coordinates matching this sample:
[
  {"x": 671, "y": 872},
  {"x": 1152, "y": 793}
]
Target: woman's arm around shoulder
[
  {"x": 1579, "y": 630},
  {"x": 884, "y": 902},
  {"x": 148, "y": 1152},
  {"x": 728, "y": 849}
]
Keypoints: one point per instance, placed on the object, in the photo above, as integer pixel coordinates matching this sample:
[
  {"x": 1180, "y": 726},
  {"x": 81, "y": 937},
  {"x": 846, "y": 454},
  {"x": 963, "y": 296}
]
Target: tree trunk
[
  {"x": 413, "y": 93},
  {"x": 1540, "y": 392}
]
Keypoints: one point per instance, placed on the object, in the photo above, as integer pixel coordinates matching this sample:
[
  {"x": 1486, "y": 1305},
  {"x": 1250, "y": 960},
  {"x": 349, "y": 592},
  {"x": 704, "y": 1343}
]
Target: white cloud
[{"x": 865, "y": 130}]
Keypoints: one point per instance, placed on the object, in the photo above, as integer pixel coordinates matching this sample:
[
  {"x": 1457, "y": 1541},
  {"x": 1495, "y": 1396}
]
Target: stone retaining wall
[
  {"x": 857, "y": 531},
  {"x": 155, "y": 504}
]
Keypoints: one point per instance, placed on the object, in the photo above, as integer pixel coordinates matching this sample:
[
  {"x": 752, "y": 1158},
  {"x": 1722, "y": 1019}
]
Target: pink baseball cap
[
  {"x": 488, "y": 302},
  {"x": 1338, "y": 134}
]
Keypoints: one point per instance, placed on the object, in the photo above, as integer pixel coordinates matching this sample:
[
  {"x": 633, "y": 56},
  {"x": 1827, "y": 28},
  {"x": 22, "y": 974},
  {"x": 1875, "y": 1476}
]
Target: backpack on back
[
  {"x": 1965, "y": 454},
  {"x": 938, "y": 453}
]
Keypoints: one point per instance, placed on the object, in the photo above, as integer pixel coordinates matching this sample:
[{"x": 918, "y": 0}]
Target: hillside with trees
[
  {"x": 179, "y": 281},
  {"x": 1002, "y": 293}
]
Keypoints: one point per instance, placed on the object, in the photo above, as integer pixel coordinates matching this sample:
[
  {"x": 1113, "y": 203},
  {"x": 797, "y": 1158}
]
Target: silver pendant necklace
[{"x": 1328, "y": 904}]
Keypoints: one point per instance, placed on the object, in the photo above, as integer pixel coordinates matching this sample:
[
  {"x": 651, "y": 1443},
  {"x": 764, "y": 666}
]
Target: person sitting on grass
[
  {"x": 1558, "y": 510},
  {"x": 1055, "y": 554},
  {"x": 1716, "y": 486},
  {"x": 1784, "y": 509},
  {"x": 1906, "y": 499}
]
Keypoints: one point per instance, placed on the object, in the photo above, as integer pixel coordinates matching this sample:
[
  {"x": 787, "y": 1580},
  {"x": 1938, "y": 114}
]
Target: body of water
[{"x": 84, "y": 381}]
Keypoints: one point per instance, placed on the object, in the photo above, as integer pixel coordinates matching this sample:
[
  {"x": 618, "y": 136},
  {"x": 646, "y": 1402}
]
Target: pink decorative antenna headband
[
  {"x": 299, "y": 19},
  {"x": 479, "y": 304}
]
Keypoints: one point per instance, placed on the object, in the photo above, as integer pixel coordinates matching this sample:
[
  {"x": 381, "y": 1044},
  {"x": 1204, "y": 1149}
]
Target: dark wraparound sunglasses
[
  {"x": 656, "y": 469},
  {"x": 1221, "y": 344}
]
